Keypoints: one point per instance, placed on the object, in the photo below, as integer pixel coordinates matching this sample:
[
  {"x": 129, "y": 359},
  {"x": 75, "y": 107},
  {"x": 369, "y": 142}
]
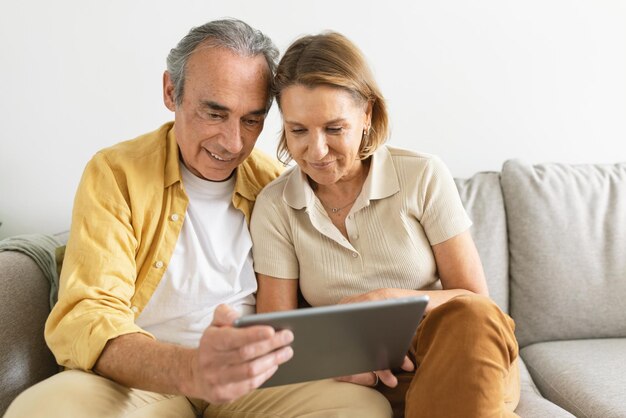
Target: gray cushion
[
  {"x": 24, "y": 356},
  {"x": 532, "y": 404},
  {"x": 482, "y": 197},
  {"x": 586, "y": 377},
  {"x": 567, "y": 243}
]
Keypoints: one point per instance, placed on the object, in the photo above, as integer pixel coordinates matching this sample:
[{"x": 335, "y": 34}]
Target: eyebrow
[
  {"x": 216, "y": 106},
  {"x": 330, "y": 122}
]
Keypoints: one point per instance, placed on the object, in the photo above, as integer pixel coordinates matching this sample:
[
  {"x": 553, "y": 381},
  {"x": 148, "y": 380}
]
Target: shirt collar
[
  {"x": 244, "y": 186},
  {"x": 172, "y": 170},
  {"x": 381, "y": 182}
]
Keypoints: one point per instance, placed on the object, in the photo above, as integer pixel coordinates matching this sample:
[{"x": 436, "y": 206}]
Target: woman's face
[{"x": 323, "y": 128}]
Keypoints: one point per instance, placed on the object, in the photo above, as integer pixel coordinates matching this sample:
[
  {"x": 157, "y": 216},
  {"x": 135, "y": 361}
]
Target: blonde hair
[{"x": 331, "y": 59}]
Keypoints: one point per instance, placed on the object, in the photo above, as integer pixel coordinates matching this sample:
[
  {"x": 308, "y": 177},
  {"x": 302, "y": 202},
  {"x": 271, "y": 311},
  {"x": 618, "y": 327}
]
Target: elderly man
[{"x": 158, "y": 263}]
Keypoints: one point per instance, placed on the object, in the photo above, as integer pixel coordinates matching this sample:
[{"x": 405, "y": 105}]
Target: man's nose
[{"x": 233, "y": 143}]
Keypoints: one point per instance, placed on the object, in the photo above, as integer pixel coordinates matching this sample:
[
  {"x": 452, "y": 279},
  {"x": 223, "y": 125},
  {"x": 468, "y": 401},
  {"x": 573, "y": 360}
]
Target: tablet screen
[{"x": 341, "y": 340}]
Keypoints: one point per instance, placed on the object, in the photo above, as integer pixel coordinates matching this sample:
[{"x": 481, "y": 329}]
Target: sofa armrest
[{"x": 24, "y": 306}]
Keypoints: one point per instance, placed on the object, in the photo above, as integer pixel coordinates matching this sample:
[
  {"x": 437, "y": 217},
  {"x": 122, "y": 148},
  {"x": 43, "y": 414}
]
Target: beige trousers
[
  {"x": 466, "y": 356},
  {"x": 76, "y": 394},
  {"x": 465, "y": 351}
]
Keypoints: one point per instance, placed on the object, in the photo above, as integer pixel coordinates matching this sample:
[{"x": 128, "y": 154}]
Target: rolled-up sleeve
[{"x": 99, "y": 271}]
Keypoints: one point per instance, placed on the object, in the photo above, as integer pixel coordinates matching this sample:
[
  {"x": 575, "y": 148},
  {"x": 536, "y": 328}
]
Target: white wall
[{"x": 475, "y": 82}]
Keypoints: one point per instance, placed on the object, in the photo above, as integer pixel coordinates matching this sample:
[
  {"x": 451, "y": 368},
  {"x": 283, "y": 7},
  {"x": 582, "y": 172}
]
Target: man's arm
[{"x": 229, "y": 362}]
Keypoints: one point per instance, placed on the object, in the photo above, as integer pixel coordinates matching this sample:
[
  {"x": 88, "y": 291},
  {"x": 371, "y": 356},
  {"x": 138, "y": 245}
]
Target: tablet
[{"x": 341, "y": 340}]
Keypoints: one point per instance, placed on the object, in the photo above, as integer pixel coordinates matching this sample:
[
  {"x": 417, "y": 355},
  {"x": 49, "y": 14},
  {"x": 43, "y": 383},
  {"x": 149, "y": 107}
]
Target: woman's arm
[
  {"x": 459, "y": 266},
  {"x": 276, "y": 294},
  {"x": 460, "y": 272}
]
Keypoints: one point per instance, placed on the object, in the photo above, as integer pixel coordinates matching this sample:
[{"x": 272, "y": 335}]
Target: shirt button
[
  {"x": 354, "y": 255},
  {"x": 158, "y": 264},
  {"x": 134, "y": 309},
  {"x": 174, "y": 217},
  {"x": 355, "y": 236}
]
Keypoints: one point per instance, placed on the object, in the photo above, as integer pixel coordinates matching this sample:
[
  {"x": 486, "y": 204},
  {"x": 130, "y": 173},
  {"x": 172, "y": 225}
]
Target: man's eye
[
  {"x": 252, "y": 122},
  {"x": 215, "y": 116}
]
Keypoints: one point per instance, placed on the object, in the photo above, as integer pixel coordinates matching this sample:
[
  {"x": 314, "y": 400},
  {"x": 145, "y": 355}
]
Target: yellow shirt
[{"x": 128, "y": 213}]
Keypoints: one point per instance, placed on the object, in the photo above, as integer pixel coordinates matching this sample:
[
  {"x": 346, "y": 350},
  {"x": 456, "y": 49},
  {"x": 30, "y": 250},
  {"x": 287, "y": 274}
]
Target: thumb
[
  {"x": 407, "y": 364},
  {"x": 223, "y": 316}
]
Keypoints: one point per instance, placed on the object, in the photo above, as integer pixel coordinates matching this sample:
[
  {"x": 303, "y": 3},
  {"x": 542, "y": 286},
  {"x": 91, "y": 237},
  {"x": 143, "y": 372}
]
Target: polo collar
[{"x": 381, "y": 182}]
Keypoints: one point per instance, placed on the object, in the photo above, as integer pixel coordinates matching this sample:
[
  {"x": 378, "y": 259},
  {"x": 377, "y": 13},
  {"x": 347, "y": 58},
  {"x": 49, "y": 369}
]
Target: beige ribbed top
[{"x": 408, "y": 202}]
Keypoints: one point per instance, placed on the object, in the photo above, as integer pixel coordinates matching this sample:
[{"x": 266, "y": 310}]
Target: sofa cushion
[
  {"x": 532, "y": 403},
  {"x": 567, "y": 243},
  {"x": 585, "y": 377},
  {"x": 482, "y": 197}
]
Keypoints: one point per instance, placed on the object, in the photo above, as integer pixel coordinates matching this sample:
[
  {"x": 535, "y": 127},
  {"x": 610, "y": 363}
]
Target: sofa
[{"x": 552, "y": 239}]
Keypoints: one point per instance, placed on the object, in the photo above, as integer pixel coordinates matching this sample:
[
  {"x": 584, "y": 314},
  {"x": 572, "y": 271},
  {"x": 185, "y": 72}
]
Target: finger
[
  {"x": 364, "y": 379},
  {"x": 387, "y": 378},
  {"x": 228, "y": 338},
  {"x": 237, "y": 345},
  {"x": 260, "y": 348},
  {"x": 250, "y": 370},
  {"x": 407, "y": 364},
  {"x": 224, "y": 315},
  {"x": 232, "y": 391}
]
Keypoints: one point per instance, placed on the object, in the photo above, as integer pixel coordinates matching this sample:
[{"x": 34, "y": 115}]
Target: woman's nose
[{"x": 318, "y": 146}]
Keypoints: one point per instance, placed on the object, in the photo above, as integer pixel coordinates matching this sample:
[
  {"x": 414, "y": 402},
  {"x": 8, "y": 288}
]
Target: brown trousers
[{"x": 465, "y": 354}]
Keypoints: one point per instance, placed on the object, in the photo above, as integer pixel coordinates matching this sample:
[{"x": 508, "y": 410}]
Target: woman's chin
[{"x": 322, "y": 180}]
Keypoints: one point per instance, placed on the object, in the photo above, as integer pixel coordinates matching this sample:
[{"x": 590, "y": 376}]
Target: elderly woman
[{"x": 357, "y": 220}]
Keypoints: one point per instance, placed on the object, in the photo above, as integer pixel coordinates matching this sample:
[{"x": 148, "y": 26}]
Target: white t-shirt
[{"x": 211, "y": 265}]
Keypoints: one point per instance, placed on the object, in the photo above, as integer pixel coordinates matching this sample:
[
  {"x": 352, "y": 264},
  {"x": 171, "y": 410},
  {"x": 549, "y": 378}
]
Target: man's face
[{"x": 222, "y": 111}]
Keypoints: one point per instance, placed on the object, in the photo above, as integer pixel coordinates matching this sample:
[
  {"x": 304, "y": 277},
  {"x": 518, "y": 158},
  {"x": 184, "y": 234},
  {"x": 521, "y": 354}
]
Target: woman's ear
[{"x": 369, "y": 106}]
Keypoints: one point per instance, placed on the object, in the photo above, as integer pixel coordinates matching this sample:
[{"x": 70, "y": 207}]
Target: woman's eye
[
  {"x": 297, "y": 131},
  {"x": 335, "y": 129}
]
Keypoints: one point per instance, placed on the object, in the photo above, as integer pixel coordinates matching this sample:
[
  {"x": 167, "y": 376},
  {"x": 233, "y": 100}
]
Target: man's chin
[{"x": 219, "y": 174}]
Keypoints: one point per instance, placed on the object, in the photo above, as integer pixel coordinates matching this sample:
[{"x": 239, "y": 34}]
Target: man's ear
[{"x": 168, "y": 92}]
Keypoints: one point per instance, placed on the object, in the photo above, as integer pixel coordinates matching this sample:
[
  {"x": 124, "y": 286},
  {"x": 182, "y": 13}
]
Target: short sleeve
[
  {"x": 443, "y": 213},
  {"x": 273, "y": 250}
]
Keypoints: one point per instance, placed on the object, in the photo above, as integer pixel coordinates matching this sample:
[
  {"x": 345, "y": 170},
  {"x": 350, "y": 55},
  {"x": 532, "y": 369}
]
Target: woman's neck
[{"x": 339, "y": 196}]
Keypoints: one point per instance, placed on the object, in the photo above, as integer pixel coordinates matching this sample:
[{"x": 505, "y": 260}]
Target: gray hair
[{"x": 232, "y": 34}]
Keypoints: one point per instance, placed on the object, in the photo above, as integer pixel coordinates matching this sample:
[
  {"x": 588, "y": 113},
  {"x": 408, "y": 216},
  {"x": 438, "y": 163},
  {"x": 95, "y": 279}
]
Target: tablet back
[{"x": 340, "y": 340}]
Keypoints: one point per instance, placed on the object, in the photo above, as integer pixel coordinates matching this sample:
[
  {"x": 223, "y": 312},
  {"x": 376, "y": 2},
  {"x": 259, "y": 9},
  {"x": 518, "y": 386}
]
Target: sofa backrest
[
  {"x": 24, "y": 307},
  {"x": 567, "y": 242},
  {"x": 482, "y": 197}
]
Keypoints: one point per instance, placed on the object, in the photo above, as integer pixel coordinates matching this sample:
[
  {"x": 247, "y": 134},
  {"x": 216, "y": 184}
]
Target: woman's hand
[
  {"x": 376, "y": 294},
  {"x": 372, "y": 378}
]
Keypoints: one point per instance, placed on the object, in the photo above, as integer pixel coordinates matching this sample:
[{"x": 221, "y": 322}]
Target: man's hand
[{"x": 231, "y": 362}]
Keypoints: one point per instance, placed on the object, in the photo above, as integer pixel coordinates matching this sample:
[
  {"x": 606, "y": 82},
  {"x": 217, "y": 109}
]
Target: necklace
[{"x": 335, "y": 210}]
